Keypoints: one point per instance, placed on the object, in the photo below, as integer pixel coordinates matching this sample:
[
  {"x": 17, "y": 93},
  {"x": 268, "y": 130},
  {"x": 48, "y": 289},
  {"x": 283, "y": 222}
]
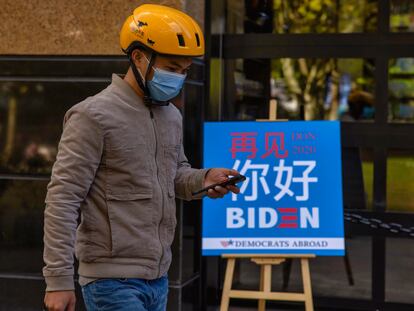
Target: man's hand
[
  {"x": 60, "y": 301},
  {"x": 217, "y": 175}
]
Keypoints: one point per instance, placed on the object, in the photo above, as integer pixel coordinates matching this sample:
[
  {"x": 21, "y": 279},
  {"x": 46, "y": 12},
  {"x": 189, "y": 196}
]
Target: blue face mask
[{"x": 165, "y": 85}]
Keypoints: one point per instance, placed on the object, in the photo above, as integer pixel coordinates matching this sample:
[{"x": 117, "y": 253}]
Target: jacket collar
[{"x": 126, "y": 92}]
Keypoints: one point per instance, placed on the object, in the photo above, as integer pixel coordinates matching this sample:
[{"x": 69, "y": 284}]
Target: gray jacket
[{"x": 120, "y": 165}]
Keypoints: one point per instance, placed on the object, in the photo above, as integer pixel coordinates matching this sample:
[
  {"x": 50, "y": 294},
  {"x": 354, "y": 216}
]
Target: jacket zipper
[{"x": 159, "y": 183}]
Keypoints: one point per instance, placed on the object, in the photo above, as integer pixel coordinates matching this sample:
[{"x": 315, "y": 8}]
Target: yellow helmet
[{"x": 163, "y": 30}]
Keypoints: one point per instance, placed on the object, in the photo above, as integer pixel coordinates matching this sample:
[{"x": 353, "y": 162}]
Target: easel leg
[
  {"x": 287, "y": 268},
  {"x": 307, "y": 289},
  {"x": 225, "y": 298},
  {"x": 265, "y": 284},
  {"x": 348, "y": 269}
]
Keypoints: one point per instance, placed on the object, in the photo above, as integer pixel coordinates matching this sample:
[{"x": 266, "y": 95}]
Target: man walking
[{"x": 120, "y": 166}]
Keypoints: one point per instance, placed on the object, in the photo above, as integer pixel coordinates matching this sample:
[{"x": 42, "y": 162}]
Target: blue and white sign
[{"x": 291, "y": 201}]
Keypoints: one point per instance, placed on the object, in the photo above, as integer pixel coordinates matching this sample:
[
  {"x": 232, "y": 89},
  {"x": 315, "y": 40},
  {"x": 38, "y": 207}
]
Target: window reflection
[
  {"x": 401, "y": 89},
  {"x": 357, "y": 177},
  {"x": 21, "y": 225},
  {"x": 297, "y": 89},
  {"x": 31, "y": 115},
  {"x": 325, "y": 16},
  {"x": 301, "y": 16},
  {"x": 55, "y": 66},
  {"x": 326, "y": 89},
  {"x": 400, "y": 181},
  {"x": 402, "y": 16}
]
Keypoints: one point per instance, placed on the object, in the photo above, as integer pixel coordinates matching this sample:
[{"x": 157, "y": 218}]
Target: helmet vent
[
  {"x": 181, "y": 41},
  {"x": 198, "y": 39}
]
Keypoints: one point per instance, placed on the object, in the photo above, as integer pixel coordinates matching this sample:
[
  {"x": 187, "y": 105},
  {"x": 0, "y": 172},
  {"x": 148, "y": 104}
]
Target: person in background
[{"x": 360, "y": 106}]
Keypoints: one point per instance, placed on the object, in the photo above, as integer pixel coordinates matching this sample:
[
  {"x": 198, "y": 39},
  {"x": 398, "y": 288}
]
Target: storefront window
[
  {"x": 401, "y": 89},
  {"x": 357, "y": 177},
  {"x": 299, "y": 89},
  {"x": 402, "y": 16},
  {"x": 325, "y": 16},
  {"x": 21, "y": 226},
  {"x": 301, "y": 16},
  {"x": 31, "y": 116},
  {"x": 327, "y": 89},
  {"x": 76, "y": 67},
  {"x": 400, "y": 181}
]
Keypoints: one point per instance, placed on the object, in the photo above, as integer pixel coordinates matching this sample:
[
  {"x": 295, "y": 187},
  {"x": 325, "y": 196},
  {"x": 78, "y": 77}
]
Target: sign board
[{"x": 291, "y": 201}]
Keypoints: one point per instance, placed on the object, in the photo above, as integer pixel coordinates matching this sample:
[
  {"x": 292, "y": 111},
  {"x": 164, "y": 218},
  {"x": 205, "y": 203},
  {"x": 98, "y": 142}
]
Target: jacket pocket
[
  {"x": 133, "y": 233},
  {"x": 128, "y": 172},
  {"x": 130, "y": 196}
]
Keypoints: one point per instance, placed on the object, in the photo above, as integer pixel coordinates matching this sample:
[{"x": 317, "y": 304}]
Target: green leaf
[{"x": 315, "y": 5}]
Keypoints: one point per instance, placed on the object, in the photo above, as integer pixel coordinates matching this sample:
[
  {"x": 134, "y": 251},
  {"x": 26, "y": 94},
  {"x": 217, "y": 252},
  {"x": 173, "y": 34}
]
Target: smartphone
[{"x": 231, "y": 181}]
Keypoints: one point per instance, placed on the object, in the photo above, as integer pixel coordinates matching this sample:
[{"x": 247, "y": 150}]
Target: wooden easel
[
  {"x": 272, "y": 112},
  {"x": 265, "y": 262},
  {"x": 265, "y": 293}
]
